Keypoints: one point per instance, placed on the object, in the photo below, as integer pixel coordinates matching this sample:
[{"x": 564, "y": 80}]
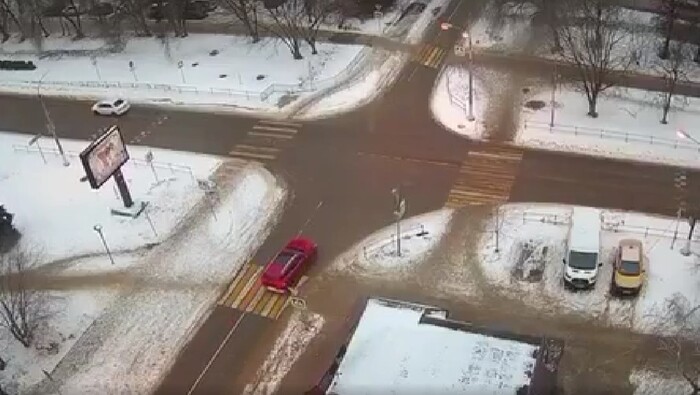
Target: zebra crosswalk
[
  {"x": 265, "y": 140},
  {"x": 246, "y": 293},
  {"x": 430, "y": 55},
  {"x": 485, "y": 177}
]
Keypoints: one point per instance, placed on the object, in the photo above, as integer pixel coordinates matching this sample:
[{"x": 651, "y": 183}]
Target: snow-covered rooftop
[{"x": 393, "y": 351}]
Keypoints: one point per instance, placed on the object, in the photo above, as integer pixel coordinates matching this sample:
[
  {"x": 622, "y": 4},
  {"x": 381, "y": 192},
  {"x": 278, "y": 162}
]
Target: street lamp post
[
  {"x": 98, "y": 229},
  {"x": 685, "y": 251},
  {"x": 49, "y": 122},
  {"x": 553, "y": 99},
  {"x": 466, "y": 35}
]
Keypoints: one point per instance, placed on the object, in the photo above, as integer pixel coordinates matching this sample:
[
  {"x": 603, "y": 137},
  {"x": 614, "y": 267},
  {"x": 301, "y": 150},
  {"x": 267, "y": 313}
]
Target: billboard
[{"x": 104, "y": 156}]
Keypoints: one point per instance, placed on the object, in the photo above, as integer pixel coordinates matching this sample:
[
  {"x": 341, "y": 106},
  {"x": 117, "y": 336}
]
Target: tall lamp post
[
  {"x": 682, "y": 134},
  {"x": 49, "y": 122},
  {"x": 468, "y": 37}
]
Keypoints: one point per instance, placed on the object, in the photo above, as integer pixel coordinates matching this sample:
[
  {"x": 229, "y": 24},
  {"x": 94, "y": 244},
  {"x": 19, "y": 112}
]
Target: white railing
[
  {"x": 378, "y": 244},
  {"x": 612, "y": 135}
]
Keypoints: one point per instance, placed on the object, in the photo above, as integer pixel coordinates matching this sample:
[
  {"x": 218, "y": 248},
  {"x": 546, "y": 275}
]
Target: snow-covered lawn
[
  {"x": 241, "y": 74},
  {"x": 70, "y": 313},
  {"x": 523, "y": 268},
  {"x": 649, "y": 382},
  {"x": 628, "y": 126},
  {"x": 376, "y": 254},
  {"x": 56, "y": 212},
  {"x": 117, "y": 328},
  {"x": 450, "y": 102}
]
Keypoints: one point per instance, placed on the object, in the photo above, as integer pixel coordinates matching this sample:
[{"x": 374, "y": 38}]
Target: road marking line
[
  {"x": 251, "y": 155},
  {"x": 272, "y": 135},
  {"x": 503, "y": 156},
  {"x": 242, "y": 272},
  {"x": 216, "y": 354},
  {"x": 246, "y": 289},
  {"x": 275, "y": 129},
  {"x": 470, "y": 194},
  {"x": 263, "y": 302},
  {"x": 251, "y": 273},
  {"x": 282, "y": 123},
  {"x": 428, "y": 59},
  {"x": 270, "y": 303},
  {"x": 250, "y": 295},
  {"x": 257, "y": 148},
  {"x": 279, "y": 307},
  {"x": 254, "y": 302}
]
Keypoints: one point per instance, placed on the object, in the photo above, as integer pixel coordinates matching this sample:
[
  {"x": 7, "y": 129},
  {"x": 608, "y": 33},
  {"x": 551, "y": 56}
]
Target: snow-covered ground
[
  {"x": 391, "y": 352},
  {"x": 117, "y": 328},
  {"x": 647, "y": 382},
  {"x": 450, "y": 102},
  {"x": 376, "y": 254},
  {"x": 522, "y": 267},
  {"x": 628, "y": 126},
  {"x": 302, "y": 327},
  {"x": 69, "y": 314},
  {"x": 241, "y": 75},
  {"x": 56, "y": 212}
]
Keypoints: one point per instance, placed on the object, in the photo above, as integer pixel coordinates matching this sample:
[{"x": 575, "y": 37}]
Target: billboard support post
[{"x": 123, "y": 188}]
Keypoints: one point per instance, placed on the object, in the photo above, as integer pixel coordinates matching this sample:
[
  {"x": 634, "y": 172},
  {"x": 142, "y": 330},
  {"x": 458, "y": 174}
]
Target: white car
[{"x": 111, "y": 107}]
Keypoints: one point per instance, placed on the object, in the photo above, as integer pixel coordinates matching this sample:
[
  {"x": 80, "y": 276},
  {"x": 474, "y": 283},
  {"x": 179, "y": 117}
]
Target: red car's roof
[{"x": 283, "y": 262}]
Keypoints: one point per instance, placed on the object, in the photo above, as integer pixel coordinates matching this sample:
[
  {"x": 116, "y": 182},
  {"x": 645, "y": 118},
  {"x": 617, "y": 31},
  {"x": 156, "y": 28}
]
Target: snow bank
[
  {"x": 648, "y": 382},
  {"x": 302, "y": 327},
  {"x": 627, "y": 127},
  {"x": 56, "y": 212},
  {"x": 450, "y": 102},
  {"x": 376, "y": 254}
]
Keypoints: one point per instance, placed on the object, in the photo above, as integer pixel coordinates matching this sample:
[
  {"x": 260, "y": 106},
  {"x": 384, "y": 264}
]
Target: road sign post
[{"x": 399, "y": 212}]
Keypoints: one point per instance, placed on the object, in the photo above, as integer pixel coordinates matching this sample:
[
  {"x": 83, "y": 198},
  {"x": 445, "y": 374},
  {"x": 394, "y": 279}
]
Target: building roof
[{"x": 402, "y": 348}]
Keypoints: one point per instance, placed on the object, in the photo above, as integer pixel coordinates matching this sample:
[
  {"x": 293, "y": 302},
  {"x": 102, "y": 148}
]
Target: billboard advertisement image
[{"x": 104, "y": 156}]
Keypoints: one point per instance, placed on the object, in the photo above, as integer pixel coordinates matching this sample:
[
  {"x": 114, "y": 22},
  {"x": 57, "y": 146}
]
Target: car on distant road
[
  {"x": 286, "y": 268},
  {"x": 111, "y": 107},
  {"x": 628, "y": 268}
]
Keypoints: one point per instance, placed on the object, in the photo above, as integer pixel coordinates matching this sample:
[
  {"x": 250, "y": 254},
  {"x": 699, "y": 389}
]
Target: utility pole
[
  {"x": 553, "y": 102},
  {"x": 470, "y": 117},
  {"x": 49, "y": 122}
]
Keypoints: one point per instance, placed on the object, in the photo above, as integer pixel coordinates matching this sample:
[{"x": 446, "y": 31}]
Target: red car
[{"x": 287, "y": 267}]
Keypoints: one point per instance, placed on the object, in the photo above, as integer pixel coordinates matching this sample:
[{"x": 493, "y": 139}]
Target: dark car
[{"x": 286, "y": 268}]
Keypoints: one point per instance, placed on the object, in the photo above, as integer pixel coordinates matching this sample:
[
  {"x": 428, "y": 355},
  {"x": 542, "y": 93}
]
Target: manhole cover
[
  {"x": 223, "y": 75},
  {"x": 535, "y": 104}
]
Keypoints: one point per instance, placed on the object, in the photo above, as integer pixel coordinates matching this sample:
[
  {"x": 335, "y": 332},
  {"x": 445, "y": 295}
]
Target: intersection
[{"x": 340, "y": 172}]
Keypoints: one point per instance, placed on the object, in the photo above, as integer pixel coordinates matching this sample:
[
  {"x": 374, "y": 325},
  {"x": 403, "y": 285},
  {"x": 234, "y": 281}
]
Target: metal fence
[
  {"x": 307, "y": 85},
  {"x": 610, "y": 225},
  {"x": 377, "y": 245},
  {"x": 612, "y": 135},
  {"x": 135, "y": 162}
]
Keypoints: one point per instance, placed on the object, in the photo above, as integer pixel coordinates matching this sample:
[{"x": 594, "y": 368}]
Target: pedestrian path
[
  {"x": 486, "y": 176},
  {"x": 265, "y": 140},
  {"x": 246, "y": 293},
  {"x": 430, "y": 55}
]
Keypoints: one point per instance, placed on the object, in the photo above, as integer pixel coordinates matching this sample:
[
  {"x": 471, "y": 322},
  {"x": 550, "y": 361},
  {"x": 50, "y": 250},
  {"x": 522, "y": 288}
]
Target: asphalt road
[{"x": 339, "y": 173}]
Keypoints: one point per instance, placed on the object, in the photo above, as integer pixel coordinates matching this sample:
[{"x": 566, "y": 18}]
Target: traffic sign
[{"x": 460, "y": 50}]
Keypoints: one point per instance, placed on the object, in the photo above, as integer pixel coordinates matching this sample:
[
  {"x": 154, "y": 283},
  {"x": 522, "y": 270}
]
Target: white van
[{"x": 582, "y": 258}]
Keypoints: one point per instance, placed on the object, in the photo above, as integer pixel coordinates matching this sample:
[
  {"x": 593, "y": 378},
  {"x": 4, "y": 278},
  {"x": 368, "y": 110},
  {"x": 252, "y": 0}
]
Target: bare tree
[
  {"x": 316, "y": 13},
  {"x": 19, "y": 305},
  {"x": 674, "y": 69},
  {"x": 547, "y": 13},
  {"x": 247, "y": 12},
  {"x": 592, "y": 40},
  {"x": 669, "y": 15},
  {"x": 73, "y": 17},
  {"x": 135, "y": 10},
  {"x": 288, "y": 23},
  {"x": 680, "y": 338},
  {"x": 7, "y": 14}
]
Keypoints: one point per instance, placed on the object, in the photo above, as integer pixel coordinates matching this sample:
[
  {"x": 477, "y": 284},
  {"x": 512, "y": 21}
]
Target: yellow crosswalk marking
[
  {"x": 279, "y": 307},
  {"x": 486, "y": 176},
  {"x": 243, "y": 273},
  {"x": 279, "y": 129},
  {"x": 247, "y": 153},
  {"x": 271, "y": 135},
  {"x": 281, "y": 123},
  {"x": 246, "y": 293}
]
